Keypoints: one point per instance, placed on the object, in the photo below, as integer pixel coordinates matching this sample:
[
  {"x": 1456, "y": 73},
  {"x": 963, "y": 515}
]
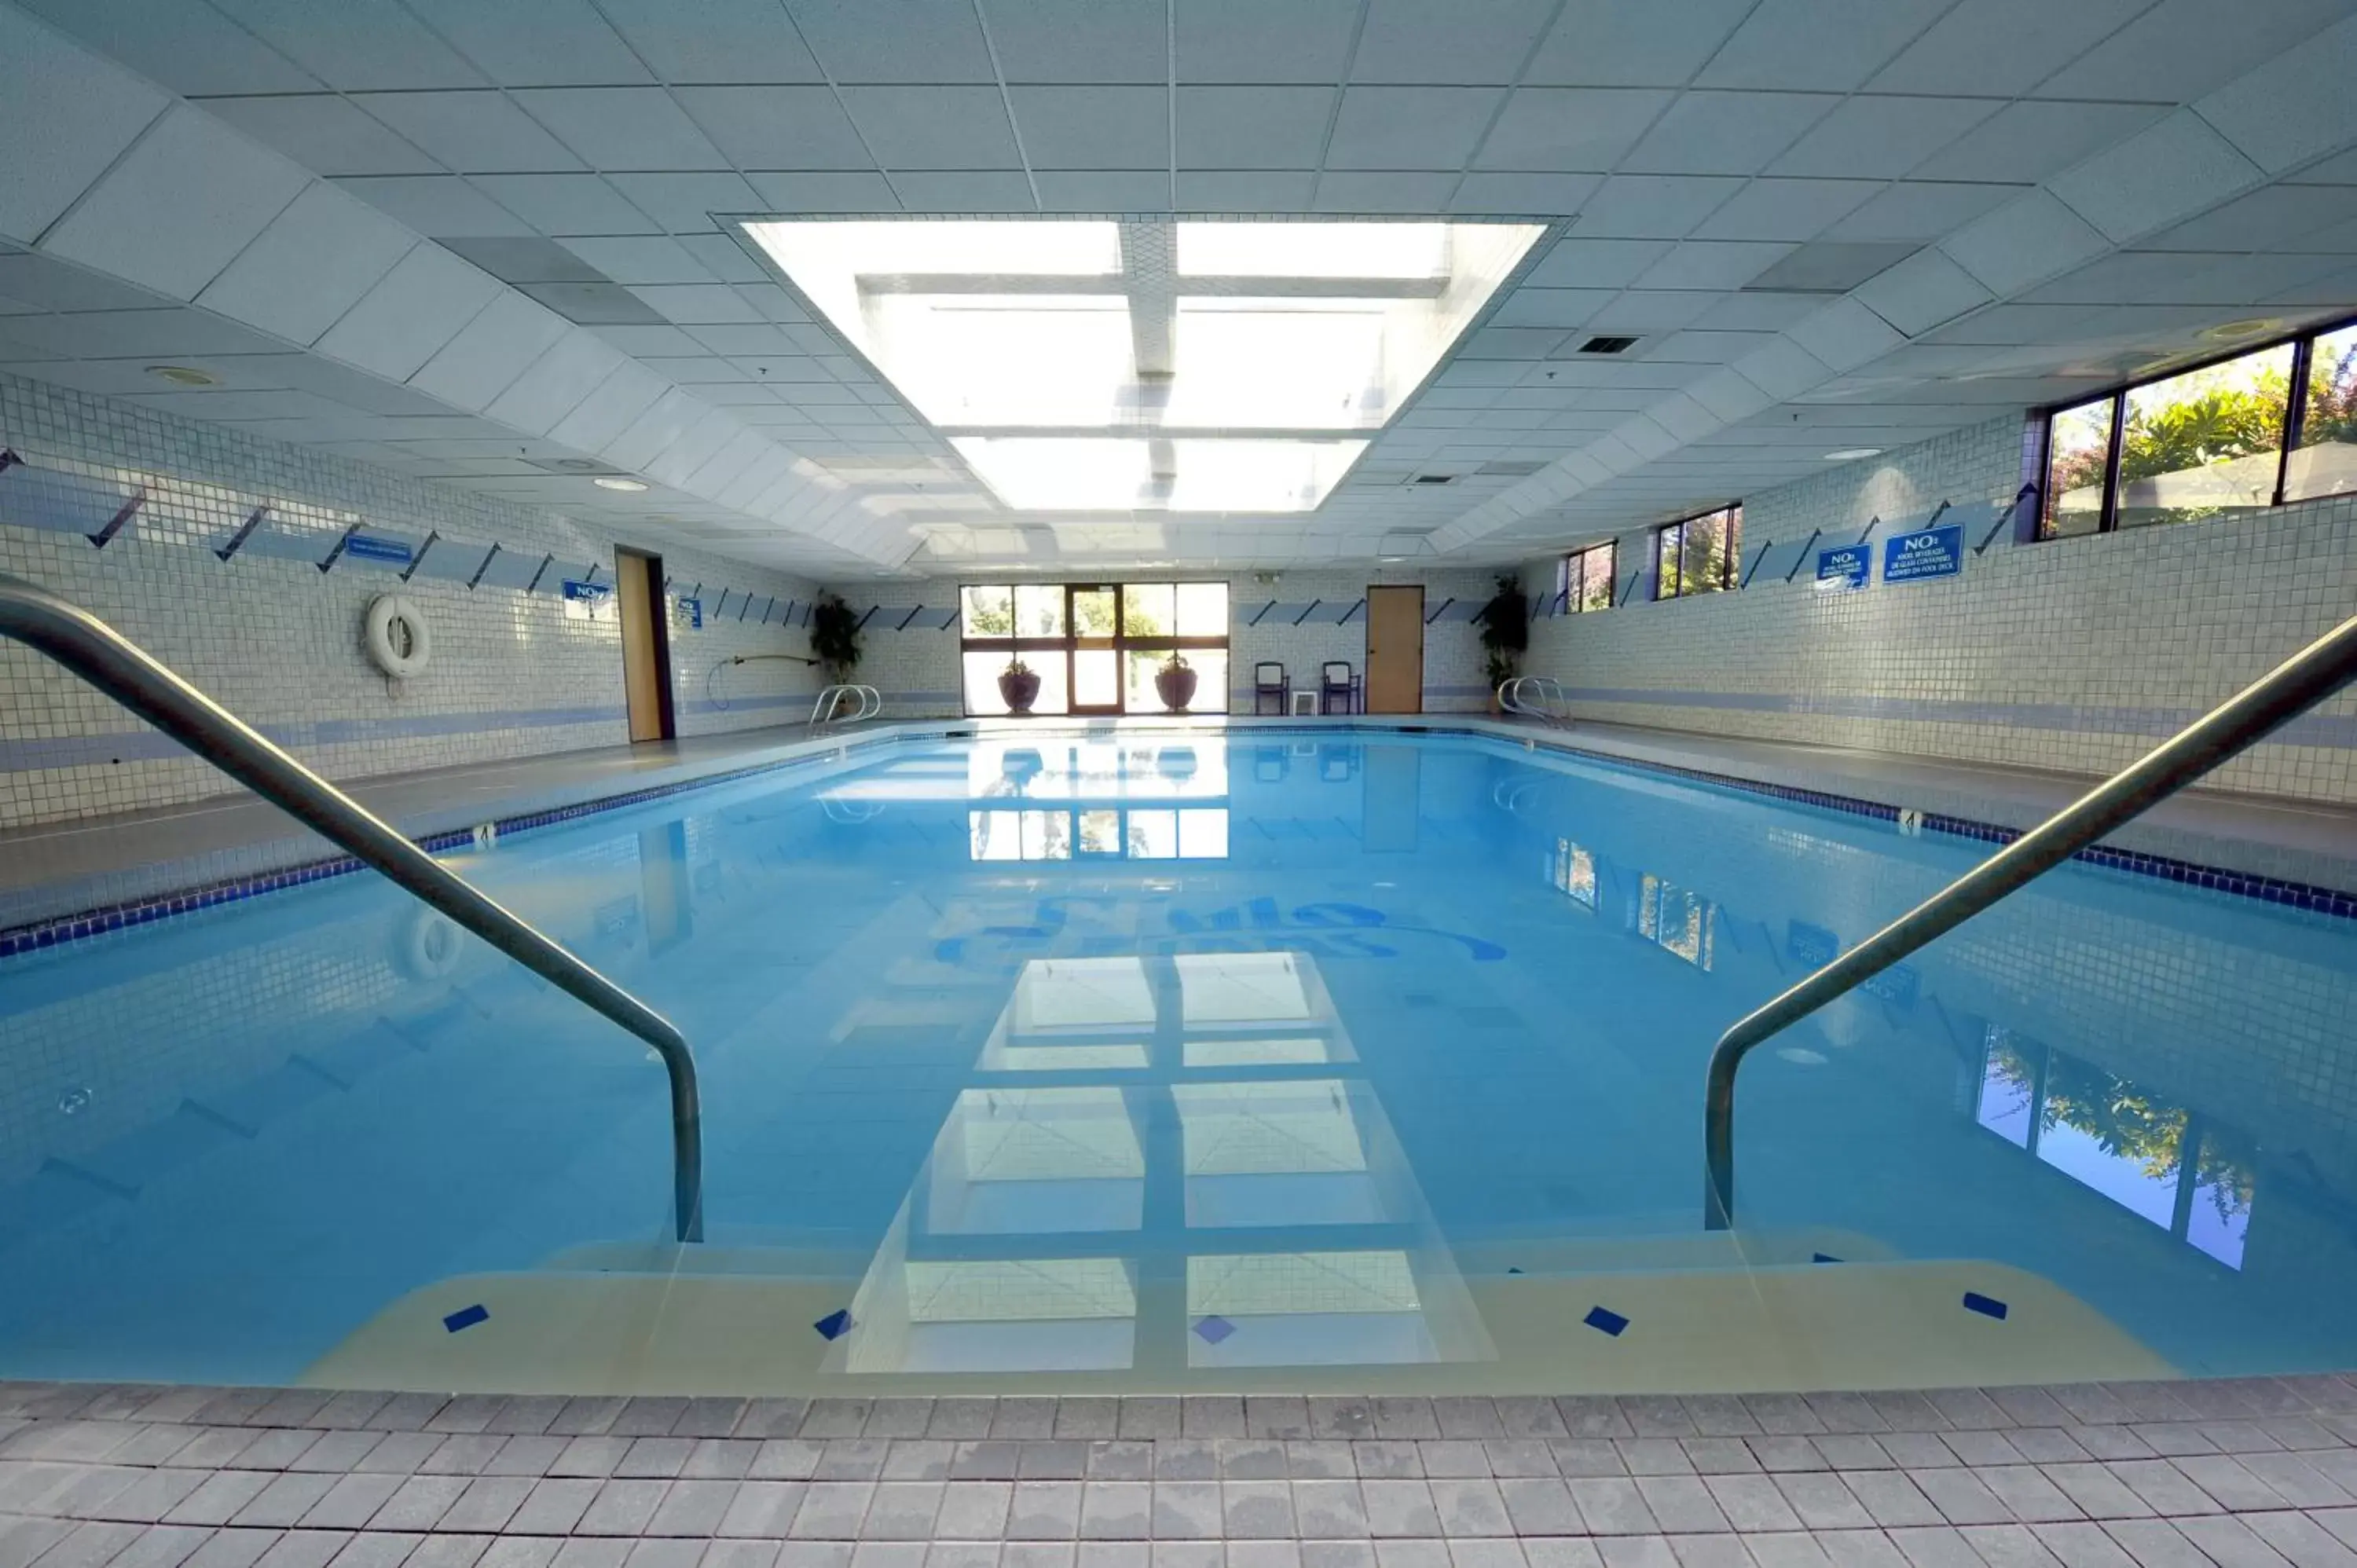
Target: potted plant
[
  {"x": 1506, "y": 623},
  {"x": 1019, "y": 685},
  {"x": 1176, "y": 680},
  {"x": 835, "y": 636}
]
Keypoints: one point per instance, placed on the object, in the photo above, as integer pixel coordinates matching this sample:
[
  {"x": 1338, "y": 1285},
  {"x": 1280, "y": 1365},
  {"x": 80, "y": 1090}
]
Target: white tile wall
[
  {"x": 918, "y": 670},
  {"x": 280, "y": 644},
  {"x": 2075, "y": 654}
]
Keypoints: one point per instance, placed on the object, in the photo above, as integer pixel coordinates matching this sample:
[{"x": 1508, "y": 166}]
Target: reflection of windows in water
[
  {"x": 1574, "y": 873},
  {"x": 2157, "y": 1159},
  {"x": 1673, "y": 918},
  {"x": 1191, "y": 833}
]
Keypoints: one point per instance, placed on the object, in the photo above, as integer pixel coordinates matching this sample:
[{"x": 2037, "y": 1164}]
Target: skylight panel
[
  {"x": 1314, "y": 250},
  {"x": 1100, "y": 474}
]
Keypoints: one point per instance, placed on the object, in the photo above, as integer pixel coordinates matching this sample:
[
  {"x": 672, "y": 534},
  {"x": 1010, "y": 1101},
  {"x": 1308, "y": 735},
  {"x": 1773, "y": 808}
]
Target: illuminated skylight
[{"x": 1150, "y": 365}]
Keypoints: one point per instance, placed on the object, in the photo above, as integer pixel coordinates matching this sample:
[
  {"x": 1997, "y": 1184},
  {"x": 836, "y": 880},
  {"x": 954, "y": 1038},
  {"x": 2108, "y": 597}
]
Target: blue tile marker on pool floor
[
  {"x": 1213, "y": 1329},
  {"x": 1986, "y": 1306},
  {"x": 834, "y": 1324},
  {"x": 466, "y": 1317},
  {"x": 1604, "y": 1320}
]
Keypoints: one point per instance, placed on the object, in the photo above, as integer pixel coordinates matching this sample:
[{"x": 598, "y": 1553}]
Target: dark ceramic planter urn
[
  {"x": 1019, "y": 690},
  {"x": 1176, "y": 682}
]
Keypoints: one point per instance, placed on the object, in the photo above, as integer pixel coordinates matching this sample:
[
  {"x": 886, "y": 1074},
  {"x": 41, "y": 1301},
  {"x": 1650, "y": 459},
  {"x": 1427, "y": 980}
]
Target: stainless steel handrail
[
  {"x": 2292, "y": 687},
  {"x": 120, "y": 668},
  {"x": 827, "y": 710},
  {"x": 1514, "y": 697}
]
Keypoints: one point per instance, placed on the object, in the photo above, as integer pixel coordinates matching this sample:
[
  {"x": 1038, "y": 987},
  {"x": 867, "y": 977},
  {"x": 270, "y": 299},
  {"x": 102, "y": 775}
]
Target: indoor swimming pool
[{"x": 1296, "y": 1059}]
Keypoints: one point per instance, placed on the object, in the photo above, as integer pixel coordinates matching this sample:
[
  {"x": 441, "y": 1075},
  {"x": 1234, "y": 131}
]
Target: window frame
[
  {"x": 1571, "y": 575},
  {"x": 1069, "y": 643},
  {"x": 2303, "y": 345},
  {"x": 1729, "y": 574}
]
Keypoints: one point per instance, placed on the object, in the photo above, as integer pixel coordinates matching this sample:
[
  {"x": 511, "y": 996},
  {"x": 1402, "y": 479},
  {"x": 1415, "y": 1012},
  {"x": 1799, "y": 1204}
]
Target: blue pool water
[{"x": 1121, "y": 998}]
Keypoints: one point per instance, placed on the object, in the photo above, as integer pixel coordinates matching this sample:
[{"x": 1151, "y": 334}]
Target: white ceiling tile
[
  {"x": 565, "y": 205},
  {"x": 637, "y": 259},
  {"x": 1552, "y": 195},
  {"x": 696, "y": 305},
  {"x": 1921, "y": 292},
  {"x": 792, "y": 127},
  {"x": 1103, "y": 190},
  {"x": 1714, "y": 263},
  {"x": 65, "y": 116},
  {"x": 1652, "y": 206},
  {"x": 2023, "y": 143},
  {"x": 1845, "y": 335},
  {"x": 1729, "y": 396},
  {"x": 1409, "y": 127},
  {"x": 1644, "y": 310},
  {"x": 1832, "y": 46},
  {"x": 2297, "y": 107},
  {"x": 470, "y": 133},
  {"x": 1253, "y": 127},
  {"x": 2160, "y": 176},
  {"x": 1695, "y": 347},
  {"x": 332, "y": 379},
  {"x": 825, "y": 192},
  {"x": 1511, "y": 343},
  {"x": 1572, "y": 130},
  {"x": 1094, "y": 127},
  {"x": 38, "y": 283},
  {"x": 2031, "y": 238},
  {"x": 1220, "y": 190},
  {"x": 1575, "y": 262},
  {"x": 1758, "y": 310},
  {"x": 418, "y": 307},
  {"x": 1609, "y": 43},
  {"x": 1344, "y": 192},
  {"x": 554, "y": 384},
  {"x": 534, "y": 43},
  {"x": 982, "y": 190},
  {"x": 324, "y": 134},
  {"x": 1787, "y": 208},
  {"x": 1918, "y": 211},
  {"x": 755, "y": 342},
  {"x": 934, "y": 127},
  {"x": 1558, "y": 307},
  {"x": 2180, "y": 49},
  {"x": 1981, "y": 47},
  {"x": 179, "y": 206},
  {"x": 927, "y": 40},
  {"x": 1410, "y": 41},
  {"x": 695, "y": 446},
  {"x": 173, "y": 333},
  {"x": 488, "y": 353},
  {"x": 648, "y": 343},
  {"x": 1882, "y": 138},
  {"x": 2340, "y": 170},
  {"x": 713, "y": 40},
  {"x": 309, "y": 267},
  {"x": 441, "y": 207},
  {"x": 1726, "y": 132},
  {"x": 725, "y": 259},
  {"x": 684, "y": 203},
  {"x": 192, "y": 49},
  {"x": 700, "y": 369},
  {"x": 1080, "y": 40},
  {"x": 616, "y": 128},
  {"x": 2271, "y": 218},
  {"x": 356, "y": 44}
]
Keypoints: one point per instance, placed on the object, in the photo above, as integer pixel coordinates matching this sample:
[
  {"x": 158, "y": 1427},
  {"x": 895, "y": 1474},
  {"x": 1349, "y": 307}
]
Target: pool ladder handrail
[
  {"x": 828, "y": 709},
  {"x": 2298, "y": 683},
  {"x": 106, "y": 659},
  {"x": 1540, "y": 697}
]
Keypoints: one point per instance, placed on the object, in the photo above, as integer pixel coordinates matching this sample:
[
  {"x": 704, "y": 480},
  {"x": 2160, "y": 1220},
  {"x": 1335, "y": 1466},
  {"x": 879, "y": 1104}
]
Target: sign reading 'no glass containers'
[{"x": 1930, "y": 553}]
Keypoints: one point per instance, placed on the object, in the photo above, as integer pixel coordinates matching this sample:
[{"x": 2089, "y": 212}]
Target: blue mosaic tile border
[{"x": 62, "y": 928}]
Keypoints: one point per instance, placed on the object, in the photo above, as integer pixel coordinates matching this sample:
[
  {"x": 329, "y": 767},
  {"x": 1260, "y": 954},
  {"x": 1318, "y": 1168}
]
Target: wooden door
[
  {"x": 646, "y": 645},
  {"x": 1396, "y": 649}
]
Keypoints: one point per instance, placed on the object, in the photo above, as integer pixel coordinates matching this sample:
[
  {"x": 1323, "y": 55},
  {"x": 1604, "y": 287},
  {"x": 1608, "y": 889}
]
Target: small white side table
[{"x": 1305, "y": 705}]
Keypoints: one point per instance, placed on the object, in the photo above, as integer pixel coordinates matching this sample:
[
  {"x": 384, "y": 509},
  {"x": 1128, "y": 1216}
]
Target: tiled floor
[{"x": 2249, "y": 1474}]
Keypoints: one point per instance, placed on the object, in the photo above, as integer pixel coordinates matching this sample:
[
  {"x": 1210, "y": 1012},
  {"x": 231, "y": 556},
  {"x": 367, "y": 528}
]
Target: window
[
  {"x": 1585, "y": 580},
  {"x": 2265, "y": 427},
  {"x": 1698, "y": 555},
  {"x": 1095, "y": 646}
]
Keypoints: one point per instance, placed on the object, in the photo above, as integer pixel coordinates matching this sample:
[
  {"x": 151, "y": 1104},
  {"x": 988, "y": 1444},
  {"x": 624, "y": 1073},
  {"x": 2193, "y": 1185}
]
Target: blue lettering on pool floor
[
  {"x": 1604, "y": 1320},
  {"x": 1986, "y": 1306},
  {"x": 466, "y": 1317}
]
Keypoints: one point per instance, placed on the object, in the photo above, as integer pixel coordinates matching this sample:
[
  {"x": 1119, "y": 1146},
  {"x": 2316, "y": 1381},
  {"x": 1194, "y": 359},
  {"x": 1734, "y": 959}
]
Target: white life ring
[
  {"x": 399, "y": 641},
  {"x": 428, "y": 945}
]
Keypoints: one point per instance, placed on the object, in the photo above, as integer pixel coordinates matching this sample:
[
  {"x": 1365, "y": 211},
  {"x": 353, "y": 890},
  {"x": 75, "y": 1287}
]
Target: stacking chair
[
  {"x": 1337, "y": 683},
  {"x": 1271, "y": 684}
]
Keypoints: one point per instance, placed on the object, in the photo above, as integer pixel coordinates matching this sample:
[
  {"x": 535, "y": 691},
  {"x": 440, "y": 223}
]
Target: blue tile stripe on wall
[{"x": 2338, "y": 903}]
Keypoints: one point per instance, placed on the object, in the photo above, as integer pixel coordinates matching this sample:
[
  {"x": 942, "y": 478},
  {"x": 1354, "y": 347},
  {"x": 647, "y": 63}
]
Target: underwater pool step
[{"x": 1948, "y": 1323}]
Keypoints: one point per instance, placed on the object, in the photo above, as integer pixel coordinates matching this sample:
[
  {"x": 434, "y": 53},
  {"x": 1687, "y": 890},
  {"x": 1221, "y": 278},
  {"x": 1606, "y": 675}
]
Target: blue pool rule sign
[
  {"x": 695, "y": 609},
  {"x": 1839, "y": 571},
  {"x": 1930, "y": 553}
]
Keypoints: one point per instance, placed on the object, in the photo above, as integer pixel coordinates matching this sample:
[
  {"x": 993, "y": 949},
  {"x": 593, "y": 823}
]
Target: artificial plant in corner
[
  {"x": 835, "y": 636},
  {"x": 1506, "y": 623}
]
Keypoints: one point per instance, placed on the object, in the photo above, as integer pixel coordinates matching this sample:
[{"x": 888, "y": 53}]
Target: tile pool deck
[{"x": 2256, "y": 1473}]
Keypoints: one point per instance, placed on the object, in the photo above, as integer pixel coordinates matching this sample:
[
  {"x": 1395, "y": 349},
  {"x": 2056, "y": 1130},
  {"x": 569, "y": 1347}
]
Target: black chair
[
  {"x": 1271, "y": 681},
  {"x": 1337, "y": 682}
]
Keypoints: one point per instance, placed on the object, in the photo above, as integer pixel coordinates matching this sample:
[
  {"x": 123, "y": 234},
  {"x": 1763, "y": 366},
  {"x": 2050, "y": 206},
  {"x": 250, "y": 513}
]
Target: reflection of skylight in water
[
  {"x": 1083, "y": 993},
  {"x": 1309, "y": 1049},
  {"x": 1309, "y": 1309},
  {"x": 1268, "y": 1128},
  {"x": 1242, "y": 988},
  {"x": 990, "y": 327}
]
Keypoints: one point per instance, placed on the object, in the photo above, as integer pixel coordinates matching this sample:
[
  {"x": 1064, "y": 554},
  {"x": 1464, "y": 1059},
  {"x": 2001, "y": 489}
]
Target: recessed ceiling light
[
  {"x": 184, "y": 375},
  {"x": 1852, "y": 454},
  {"x": 1183, "y": 366},
  {"x": 608, "y": 482},
  {"x": 2235, "y": 331}
]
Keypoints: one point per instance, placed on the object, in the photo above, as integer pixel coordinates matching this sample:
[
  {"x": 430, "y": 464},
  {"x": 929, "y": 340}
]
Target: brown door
[
  {"x": 646, "y": 644},
  {"x": 1395, "y": 650}
]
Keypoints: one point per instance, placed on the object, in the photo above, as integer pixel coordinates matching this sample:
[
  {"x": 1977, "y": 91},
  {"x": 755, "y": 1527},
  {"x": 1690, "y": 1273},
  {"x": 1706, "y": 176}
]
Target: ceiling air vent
[
  {"x": 1607, "y": 345},
  {"x": 1431, "y": 479}
]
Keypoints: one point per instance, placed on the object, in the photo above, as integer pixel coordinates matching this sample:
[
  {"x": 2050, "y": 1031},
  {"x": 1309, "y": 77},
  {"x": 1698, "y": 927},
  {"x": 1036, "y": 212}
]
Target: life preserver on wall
[{"x": 399, "y": 641}]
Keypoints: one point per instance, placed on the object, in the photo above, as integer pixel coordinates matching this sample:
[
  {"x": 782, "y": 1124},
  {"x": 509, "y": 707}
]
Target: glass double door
[{"x": 1093, "y": 619}]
